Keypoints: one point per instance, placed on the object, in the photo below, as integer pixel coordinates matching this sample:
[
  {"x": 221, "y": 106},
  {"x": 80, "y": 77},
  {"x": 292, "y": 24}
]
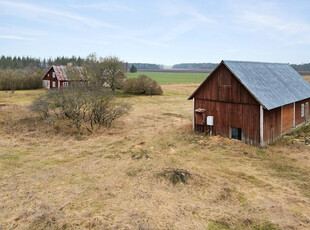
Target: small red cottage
[{"x": 63, "y": 76}]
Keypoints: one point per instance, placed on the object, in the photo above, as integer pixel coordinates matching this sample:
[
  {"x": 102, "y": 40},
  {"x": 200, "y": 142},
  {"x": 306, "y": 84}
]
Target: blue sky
[{"x": 161, "y": 31}]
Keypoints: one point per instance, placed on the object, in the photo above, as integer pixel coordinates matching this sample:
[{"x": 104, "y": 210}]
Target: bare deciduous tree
[{"x": 104, "y": 71}]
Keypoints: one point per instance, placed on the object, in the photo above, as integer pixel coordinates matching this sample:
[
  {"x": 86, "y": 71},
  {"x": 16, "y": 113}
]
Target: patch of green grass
[
  {"x": 54, "y": 162},
  {"x": 294, "y": 173},
  {"x": 112, "y": 156},
  {"x": 119, "y": 93},
  {"x": 267, "y": 225},
  {"x": 298, "y": 134},
  {"x": 11, "y": 157},
  {"x": 168, "y": 78},
  {"x": 192, "y": 86},
  {"x": 242, "y": 199},
  {"x": 10, "y": 162},
  {"x": 13, "y": 160},
  {"x": 20, "y": 96},
  {"x": 255, "y": 180},
  {"x": 261, "y": 153},
  {"x": 286, "y": 170},
  {"x": 301, "y": 130},
  {"x": 143, "y": 153},
  {"x": 132, "y": 172},
  {"x": 218, "y": 225},
  {"x": 248, "y": 224}
]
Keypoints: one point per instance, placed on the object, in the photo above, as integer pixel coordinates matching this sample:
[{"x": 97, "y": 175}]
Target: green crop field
[{"x": 168, "y": 77}]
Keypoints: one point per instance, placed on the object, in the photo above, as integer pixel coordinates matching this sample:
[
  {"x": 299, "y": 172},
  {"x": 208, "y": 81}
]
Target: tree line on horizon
[
  {"x": 209, "y": 66},
  {"x": 148, "y": 66},
  {"x": 32, "y": 63},
  {"x": 17, "y": 62}
]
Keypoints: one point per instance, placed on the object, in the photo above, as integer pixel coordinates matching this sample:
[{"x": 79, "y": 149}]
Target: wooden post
[
  {"x": 194, "y": 114},
  {"x": 261, "y": 126}
]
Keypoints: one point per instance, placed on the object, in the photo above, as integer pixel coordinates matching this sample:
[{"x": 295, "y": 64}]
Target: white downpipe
[
  {"x": 261, "y": 125},
  {"x": 294, "y": 123}
]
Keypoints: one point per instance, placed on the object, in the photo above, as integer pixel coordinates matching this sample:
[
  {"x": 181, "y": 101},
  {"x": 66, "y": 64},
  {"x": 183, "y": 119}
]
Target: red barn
[
  {"x": 62, "y": 76},
  {"x": 254, "y": 102}
]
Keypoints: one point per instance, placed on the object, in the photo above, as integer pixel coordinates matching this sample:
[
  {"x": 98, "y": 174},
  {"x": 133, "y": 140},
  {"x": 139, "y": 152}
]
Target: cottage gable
[
  {"x": 64, "y": 73},
  {"x": 59, "y": 76}
]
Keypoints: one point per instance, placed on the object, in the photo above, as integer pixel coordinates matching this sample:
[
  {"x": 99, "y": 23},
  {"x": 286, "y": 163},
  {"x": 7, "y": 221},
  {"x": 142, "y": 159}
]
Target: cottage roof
[
  {"x": 272, "y": 84},
  {"x": 64, "y": 73}
]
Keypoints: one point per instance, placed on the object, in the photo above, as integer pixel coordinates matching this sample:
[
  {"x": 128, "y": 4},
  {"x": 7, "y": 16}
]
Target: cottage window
[
  {"x": 54, "y": 75},
  {"x": 302, "y": 110},
  {"x": 236, "y": 133},
  {"x": 54, "y": 84}
]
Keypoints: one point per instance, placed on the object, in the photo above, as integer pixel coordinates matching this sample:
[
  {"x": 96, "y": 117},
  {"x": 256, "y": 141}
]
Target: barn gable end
[
  {"x": 222, "y": 85},
  {"x": 222, "y": 96}
]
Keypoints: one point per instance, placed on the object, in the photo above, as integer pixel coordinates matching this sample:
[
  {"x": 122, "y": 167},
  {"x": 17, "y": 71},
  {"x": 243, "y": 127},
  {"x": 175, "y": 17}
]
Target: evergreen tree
[{"x": 133, "y": 69}]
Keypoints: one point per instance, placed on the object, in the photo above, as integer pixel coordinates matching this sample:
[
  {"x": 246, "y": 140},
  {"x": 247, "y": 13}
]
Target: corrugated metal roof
[
  {"x": 272, "y": 84},
  {"x": 63, "y": 73}
]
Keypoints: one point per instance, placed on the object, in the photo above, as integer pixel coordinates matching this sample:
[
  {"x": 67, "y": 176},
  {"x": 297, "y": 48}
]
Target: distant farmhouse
[
  {"x": 63, "y": 76},
  {"x": 254, "y": 102}
]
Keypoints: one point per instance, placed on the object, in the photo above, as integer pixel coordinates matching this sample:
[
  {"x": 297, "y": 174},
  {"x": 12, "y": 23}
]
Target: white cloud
[
  {"x": 34, "y": 11},
  {"x": 111, "y": 6},
  {"x": 185, "y": 16},
  {"x": 269, "y": 21},
  {"x": 273, "y": 21},
  {"x": 148, "y": 42},
  {"x": 13, "y": 37}
]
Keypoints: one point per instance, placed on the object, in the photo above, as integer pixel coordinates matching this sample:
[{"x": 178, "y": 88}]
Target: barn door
[{"x": 307, "y": 111}]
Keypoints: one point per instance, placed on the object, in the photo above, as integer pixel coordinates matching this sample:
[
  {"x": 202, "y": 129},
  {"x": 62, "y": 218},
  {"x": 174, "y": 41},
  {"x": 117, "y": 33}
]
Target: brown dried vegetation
[{"x": 110, "y": 179}]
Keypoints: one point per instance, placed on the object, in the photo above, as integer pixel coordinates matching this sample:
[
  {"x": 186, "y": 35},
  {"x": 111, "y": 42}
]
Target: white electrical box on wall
[{"x": 210, "y": 120}]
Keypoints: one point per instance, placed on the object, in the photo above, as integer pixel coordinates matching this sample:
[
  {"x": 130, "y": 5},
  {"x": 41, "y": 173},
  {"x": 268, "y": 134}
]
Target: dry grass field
[
  {"x": 120, "y": 178},
  {"x": 307, "y": 77}
]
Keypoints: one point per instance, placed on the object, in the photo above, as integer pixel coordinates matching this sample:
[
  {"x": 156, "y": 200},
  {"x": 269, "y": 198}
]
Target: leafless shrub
[
  {"x": 82, "y": 106},
  {"x": 41, "y": 106}
]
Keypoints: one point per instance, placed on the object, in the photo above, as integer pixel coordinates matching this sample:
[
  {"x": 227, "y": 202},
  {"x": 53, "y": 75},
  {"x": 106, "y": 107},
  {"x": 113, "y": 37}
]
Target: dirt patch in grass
[{"x": 177, "y": 176}]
